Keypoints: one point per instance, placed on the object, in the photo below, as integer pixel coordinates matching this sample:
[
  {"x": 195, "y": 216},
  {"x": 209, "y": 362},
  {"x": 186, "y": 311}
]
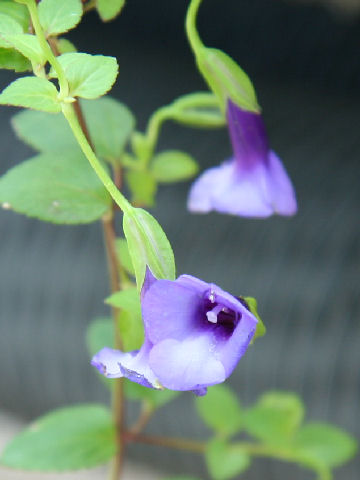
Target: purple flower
[
  {"x": 195, "y": 334},
  {"x": 252, "y": 184}
]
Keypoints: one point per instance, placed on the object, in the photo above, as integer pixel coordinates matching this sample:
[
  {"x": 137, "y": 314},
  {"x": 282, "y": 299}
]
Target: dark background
[{"x": 304, "y": 271}]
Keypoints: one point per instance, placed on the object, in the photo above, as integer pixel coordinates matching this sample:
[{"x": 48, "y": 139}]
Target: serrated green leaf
[
  {"x": 8, "y": 26},
  {"x": 123, "y": 255},
  {"x": 109, "y": 123},
  {"x": 17, "y": 12},
  {"x": 148, "y": 246},
  {"x": 29, "y": 46},
  {"x": 55, "y": 188},
  {"x": 59, "y": 17},
  {"x": 109, "y": 9},
  {"x": 10, "y": 59},
  {"x": 89, "y": 76},
  {"x": 260, "y": 327},
  {"x": 220, "y": 410},
  {"x": 225, "y": 461},
  {"x": 173, "y": 166},
  {"x": 226, "y": 79},
  {"x": 31, "y": 92},
  {"x": 275, "y": 418},
  {"x": 142, "y": 187},
  {"x": 127, "y": 300},
  {"x": 324, "y": 444},
  {"x": 67, "y": 439},
  {"x": 65, "y": 46}
]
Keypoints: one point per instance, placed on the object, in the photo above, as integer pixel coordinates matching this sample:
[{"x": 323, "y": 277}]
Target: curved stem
[
  {"x": 153, "y": 128},
  {"x": 191, "y": 30},
  {"x": 118, "y": 198},
  {"x": 63, "y": 83}
]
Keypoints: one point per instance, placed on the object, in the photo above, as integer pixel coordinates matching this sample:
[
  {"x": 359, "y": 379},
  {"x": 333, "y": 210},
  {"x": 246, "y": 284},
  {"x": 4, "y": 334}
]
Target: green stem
[
  {"x": 118, "y": 198},
  {"x": 153, "y": 129},
  {"x": 191, "y": 30},
  {"x": 63, "y": 83}
]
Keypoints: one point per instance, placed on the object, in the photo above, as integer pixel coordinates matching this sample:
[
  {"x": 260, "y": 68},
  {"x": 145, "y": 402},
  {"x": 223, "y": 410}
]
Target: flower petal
[
  {"x": 170, "y": 310},
  {"x": 189, "y": 364},
  {"x": 225, "y": 190},
  {"x": 279, "y": 187},
  {"x": 132, "y": 365}
]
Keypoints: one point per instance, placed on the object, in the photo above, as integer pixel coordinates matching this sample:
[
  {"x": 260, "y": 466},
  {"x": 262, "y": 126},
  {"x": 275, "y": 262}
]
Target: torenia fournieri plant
[{"x": 167, "y": 334}]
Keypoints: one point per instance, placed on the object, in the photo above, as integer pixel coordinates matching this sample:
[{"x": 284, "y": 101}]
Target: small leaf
[
  {"x": 67, "y": 439},
  {"x": 59, "y": 17},
  {"x": 8, "y": 26},
  {"x": 17, "y": 12},
  {"x": 130, "y": 323},
  {"x": 155, "y": 398},
  {"x": 325, "y": 444},
  {"x": 109, "y": 9},
  {"x": 31, "y": 92},
  {"x": 65, "y": 46},
  {"x": 275, "y": 418},
  {"x": 29, "y": 46},
  {"x": 173, "y": 166},
  {"x": 123, "y": 255},
  {"x": 220, "y": 410},
  {"x": 55, "y": 188},
  {"x": 99, "y": 334},
  {"x": 140, "y": 145},
  {"x": 148, "y": 246},
  {"x": 142, "y": 186},
  {"x": 226, "y": 79},
  {"x": 10, "y": 59},
  {"x": 260, "y": 327},
  {"x": 89, "y": 76},
  {"x": 109, "y": 123},
  {"x": 225, "y": 461}
]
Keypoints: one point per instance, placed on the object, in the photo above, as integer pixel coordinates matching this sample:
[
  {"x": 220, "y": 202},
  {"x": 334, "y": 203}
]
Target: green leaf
[
  {"x": 130, "y": 322},
  {"x": 109, "y": 9},
  {"x": 140, "y": 145},
  {"x": 275, "y": 418},
  {"x": 109, "y": 123},
  {"x": 154, "y": 398},
  {"x": 67, "y": 439},
  {"x": 181, "y": 477},
  {"x": 200, "y": 109},
  {"x": 220, "y": 410},
  {"x": 173, "y": 166},
  {"x": 55, "y": 188},
  {"x": 59, "y": 17},
  {"x": 17, "y": 12},
  {"x": 142, "y": 187},
  {"x": 148, "y": 246},
  {"x": 123, "y": 255},
  {"x": 31, "y": 92},
  {"x": 65, "y": 46},
  {"x": 89, "y": 76},
  {"x": 226, "y": 79},
  {"x": 10, "y": 59},
  {"x": 325, "y": 444},
  {"x": 260, "y": 327},
  {"x": 8, "y": 26},
  {"x": 225, "y": 461},
  {"x": 29, "y": 46},
  {"x": 99, "y": 334}
]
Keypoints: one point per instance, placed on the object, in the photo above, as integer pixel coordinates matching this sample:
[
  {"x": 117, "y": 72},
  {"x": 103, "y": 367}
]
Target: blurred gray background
[{"x": 304, "y": 60}]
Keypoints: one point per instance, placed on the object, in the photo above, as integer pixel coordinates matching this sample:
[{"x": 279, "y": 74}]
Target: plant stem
[
  {"x": 191, "y": 31},
  {"x": 153, "y": 128},
  {"x": 170, "y": 442},
  {"x": 117, "y": 196},
  {"x": 63, "y": 83}
]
